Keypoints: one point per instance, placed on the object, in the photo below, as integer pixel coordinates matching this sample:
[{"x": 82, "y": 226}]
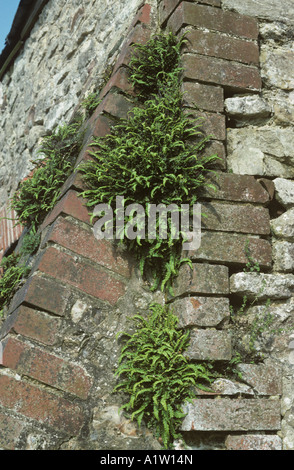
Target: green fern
[
  {"x": 149, "y": 158},
  {"x": 38, "y": 195},
  {"x": 156, "y": 375}
]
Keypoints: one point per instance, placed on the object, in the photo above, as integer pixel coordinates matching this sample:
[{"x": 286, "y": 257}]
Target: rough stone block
[
  {"x": 45, "y": 367},
  {"x": 250, "y": 106},
  {"x": 261, "y": 151},
  {"x": 209, "y": 345},
  {"x": 232, "y": 415},
  {"x": 32, "y": 324},
  {"x": 283, "y": 226},
  {"x": 201, "y": 311},
  {"x": 222, "y": 46},
  {"x": 232, "y": 187},
  {"x": 202, "y": 279},
  {"x": 262, "y": 286},
  {"x": 254, "y": 442},
  {"x": 284, "y": 192},
  {"x": 229, "y": 248},
  {"x": 82, "y": 241},
  {"x": 79, "y": 274},
  {"x": 221, "y": 72},
  {"x": 213, "y": 19},
  {"x": 264, "y": 9},
  {"x": 265, "y": 379},
  {"x": 38, "y": 404},
  {"x": 283, "y": 256},
  {"x": 235, "y": 218}
]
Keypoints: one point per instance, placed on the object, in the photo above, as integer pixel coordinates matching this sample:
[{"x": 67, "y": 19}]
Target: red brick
[
  {"x": 166, "y": 8},
  {"x": 222, "y": 46},
  {"x": 232, "y": 415},
  {"x": 83, "y": 242},
  {"x": 235, "y": 218},
  {"x": 205, "y": 97},
  {"x": 74, "y": 182},
  {"x": 229, "y": 248},
  {"x": 210, "y": 124},
  {"x": 139, "y": 35},
  {"x": 83, "y": 276},
  {"x": 32, "y": 324},
  {"x": 116, "y": 105},
  {"x": 70, "y": 204},
  {"x": 213, "y": 19},
  {"x": 40, "y": 405},
  {"x": 45, "y": 367},
  {"x": 10, "y": 431},
  {"x": 221, "y": 72},
  {"x": 119, "y": 80},
  {"x": 232, "y": 187},
  {"x": 42, "y": 293},
  {"x": 202, "y": 279},
  {"x": 144, "y": 15},
  {"x": 253, "y": 442},
  {"x": 217, "y": 148}
]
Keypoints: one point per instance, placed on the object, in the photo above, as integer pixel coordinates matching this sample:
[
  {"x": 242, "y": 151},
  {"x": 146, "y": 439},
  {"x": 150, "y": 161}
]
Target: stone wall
[
  {"x": 69, "y": 53},
  {"x": 59, "y": 338}
]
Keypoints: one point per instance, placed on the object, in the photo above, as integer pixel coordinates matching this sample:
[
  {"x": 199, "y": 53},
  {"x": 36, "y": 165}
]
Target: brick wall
[{"x": 58, "y": 341}]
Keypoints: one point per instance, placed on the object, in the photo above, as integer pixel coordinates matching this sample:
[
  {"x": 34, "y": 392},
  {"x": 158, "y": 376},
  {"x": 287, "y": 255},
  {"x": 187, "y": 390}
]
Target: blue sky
[{"x": 7, "y": 11}]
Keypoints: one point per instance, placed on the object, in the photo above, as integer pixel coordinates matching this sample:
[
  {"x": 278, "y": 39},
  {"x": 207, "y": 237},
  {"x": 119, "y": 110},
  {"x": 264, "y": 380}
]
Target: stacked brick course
[{"x": 52, "y": 341}]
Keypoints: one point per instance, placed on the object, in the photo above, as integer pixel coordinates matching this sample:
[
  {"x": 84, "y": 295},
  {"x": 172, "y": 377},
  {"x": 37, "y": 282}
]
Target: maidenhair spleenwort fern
[
  {"x": 149, "y": 158},
  {"x": 156, "y": 375},
  {"x": 37, "y": 195}
]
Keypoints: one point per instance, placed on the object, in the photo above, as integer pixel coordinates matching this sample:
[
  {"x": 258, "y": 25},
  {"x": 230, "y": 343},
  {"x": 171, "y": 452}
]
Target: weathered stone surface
[
  {"x": 277, "y": 66},
  {"x": 254, "y": 442},
  {"x": 231, "y": 388},
  {"x": 244, "y": 107},
  {"x": 283, "y": 256},
  {"x": 213, "y": 19},
  {"x": 221, "y": 72},
  {"x": 263, "y": 151},
  {"x": 284, "y": 192},
  {"x": 209, "y": 345},
  {"x": 76, "y": 42},
  {"x": 265, "y": 9},
  {"x": 232, "y": 415},
  {"x": 266, "y": 379},
  {"x": 201, "y": 311},
  {"x": 229, "y": 248},
  {"x": 283, "y": 226},
  {"x": 235, "y": 218},
  {"x": 279, "y": 310},
  {"x": 202, "y": 279},
  {"x": 282, "y": 104},
  {"x": 206, "y": 97},
  {"x": 262, "y": 286},
  {"x": 215, "y": 44},
  {"x": 233, "y": 187}
]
